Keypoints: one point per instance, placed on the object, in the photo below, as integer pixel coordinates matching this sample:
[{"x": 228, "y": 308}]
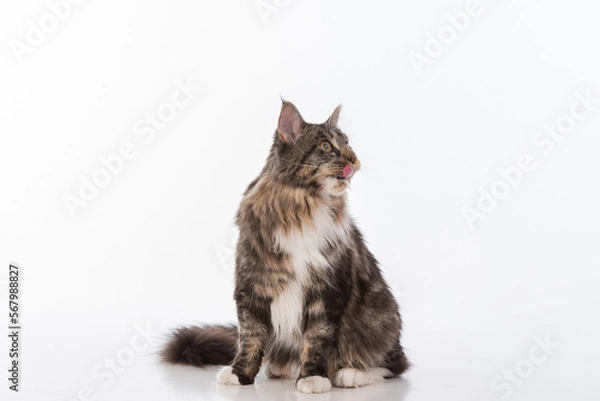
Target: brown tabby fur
[{"x": 350, "y": 318}]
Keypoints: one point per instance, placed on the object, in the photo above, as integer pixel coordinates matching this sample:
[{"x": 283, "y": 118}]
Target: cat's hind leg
[
  {"x": 393, "y": 364},
  {"x": 395, "y": 360},
  {"x": 350, "y": 377}
]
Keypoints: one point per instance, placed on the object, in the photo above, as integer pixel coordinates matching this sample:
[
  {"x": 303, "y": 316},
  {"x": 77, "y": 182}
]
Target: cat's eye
[{"x": 326, "y": 146}]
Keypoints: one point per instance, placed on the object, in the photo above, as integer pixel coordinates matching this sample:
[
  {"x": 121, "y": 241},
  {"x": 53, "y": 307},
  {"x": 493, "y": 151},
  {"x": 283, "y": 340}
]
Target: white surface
[{"x": 154, "y": 245}]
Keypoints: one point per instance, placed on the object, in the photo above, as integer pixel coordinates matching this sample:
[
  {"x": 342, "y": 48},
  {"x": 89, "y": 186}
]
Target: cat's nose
[
  {"x": 350, "y": 156},
  {"x": 355, "y": 162}
]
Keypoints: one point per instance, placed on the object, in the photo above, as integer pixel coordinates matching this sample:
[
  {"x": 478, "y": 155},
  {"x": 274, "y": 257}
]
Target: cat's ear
[
  {"x": 290, "y": 123},
  {"x": 332, "y": 121}
]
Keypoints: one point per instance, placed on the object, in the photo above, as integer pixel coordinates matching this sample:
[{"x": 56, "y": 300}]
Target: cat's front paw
[
  {"x": 313, "y": 385},
  {"x": 226, "y": 376}
]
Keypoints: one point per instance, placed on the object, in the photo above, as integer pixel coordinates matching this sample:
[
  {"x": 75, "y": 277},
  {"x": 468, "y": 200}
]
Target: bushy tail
[{"x": 201, "y": 345}]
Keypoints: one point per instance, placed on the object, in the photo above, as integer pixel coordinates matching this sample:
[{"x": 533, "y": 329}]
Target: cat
[{"x": 311, "y": 301}]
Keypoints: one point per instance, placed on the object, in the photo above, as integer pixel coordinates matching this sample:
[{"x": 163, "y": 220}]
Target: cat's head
[{"x": 314, "y": 156}]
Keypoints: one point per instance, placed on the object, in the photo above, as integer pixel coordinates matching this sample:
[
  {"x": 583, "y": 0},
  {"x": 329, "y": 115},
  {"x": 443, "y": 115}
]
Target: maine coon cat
[{"x": 311, "y": 300}]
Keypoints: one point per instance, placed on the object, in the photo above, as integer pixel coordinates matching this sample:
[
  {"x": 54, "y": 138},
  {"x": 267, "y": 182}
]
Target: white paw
[
  {"x": 274, "y": 372},
  {"x": 355, "y": 378},
  {"x": 314, "y": 384},
  {"x": 286, "y": 372},
  {"x": 226, "y": 376}
]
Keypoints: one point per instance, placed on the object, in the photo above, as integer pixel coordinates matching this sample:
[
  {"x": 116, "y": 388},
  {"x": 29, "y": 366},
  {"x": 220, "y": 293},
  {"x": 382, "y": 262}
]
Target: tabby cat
[{"x": 311, "y": 301}]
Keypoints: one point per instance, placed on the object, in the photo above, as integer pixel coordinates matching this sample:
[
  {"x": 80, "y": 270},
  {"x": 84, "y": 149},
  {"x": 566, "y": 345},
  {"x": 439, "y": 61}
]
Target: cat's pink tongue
[{"x": 348, "y": 171}]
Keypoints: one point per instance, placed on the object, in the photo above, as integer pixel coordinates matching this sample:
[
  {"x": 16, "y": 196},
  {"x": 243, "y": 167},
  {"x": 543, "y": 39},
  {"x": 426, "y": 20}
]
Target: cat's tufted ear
[
  {"x": 290, "y": 123},
  {"x": 332, "y": 121}
]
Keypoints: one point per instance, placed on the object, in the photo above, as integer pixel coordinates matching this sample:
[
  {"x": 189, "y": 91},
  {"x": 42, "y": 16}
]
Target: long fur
[{"x": 201, "y": 345}]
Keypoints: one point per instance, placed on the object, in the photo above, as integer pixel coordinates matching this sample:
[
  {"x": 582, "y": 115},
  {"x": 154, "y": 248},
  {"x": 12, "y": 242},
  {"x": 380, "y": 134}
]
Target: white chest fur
[{"x": 305, "y": 247}]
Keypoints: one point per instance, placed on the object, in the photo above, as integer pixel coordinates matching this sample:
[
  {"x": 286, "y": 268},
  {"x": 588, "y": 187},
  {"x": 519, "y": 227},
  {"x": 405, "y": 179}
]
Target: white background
[{"x": 153, "y": 248}]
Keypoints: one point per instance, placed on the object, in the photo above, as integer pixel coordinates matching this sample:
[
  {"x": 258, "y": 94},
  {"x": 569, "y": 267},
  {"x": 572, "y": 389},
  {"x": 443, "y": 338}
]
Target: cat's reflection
[{"x": 188, "y": 381}]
